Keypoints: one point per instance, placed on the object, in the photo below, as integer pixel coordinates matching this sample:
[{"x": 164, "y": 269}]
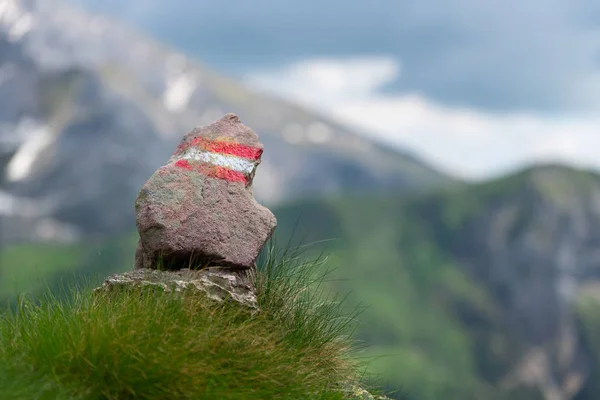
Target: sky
[{"x": 475, "y": 87}]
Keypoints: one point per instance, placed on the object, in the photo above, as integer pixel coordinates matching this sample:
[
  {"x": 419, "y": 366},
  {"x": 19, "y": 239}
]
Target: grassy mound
[{"x": 146, "y": 345}]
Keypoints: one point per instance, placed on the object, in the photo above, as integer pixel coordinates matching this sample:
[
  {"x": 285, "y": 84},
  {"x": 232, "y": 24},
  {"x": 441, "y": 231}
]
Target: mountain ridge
[
  {"x": 125, "y": 100},
  {"x": 505, "y": 260},
  {"x": 473, "y": 290}
]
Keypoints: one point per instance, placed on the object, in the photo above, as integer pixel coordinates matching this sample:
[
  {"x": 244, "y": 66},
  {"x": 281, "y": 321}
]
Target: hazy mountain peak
[{"x": 91, "y": 108}]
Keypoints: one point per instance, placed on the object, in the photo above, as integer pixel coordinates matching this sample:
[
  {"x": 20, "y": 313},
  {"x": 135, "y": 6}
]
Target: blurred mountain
[
  {"x": 472, "y": 289},
  {"x": 90, "y": 109}
]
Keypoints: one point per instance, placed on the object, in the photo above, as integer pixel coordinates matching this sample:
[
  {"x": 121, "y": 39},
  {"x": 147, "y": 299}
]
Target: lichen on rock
[
  {"x": 218, "y": 284},
  {"x": 355, "y": 392}
]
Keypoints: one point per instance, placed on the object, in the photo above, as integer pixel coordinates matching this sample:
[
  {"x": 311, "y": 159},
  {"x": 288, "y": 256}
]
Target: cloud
[
  {"x": 469, "y": 142},
  {"x": 499, "y": 55},
  {"x": 482, "y": 87},
  {"x": 332, "y": 78},
  {"x": 356, "y": 76},
  {"x": 136, "y": 12}
]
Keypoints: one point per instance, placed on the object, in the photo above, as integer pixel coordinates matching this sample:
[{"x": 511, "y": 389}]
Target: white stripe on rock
[{"x": 226, "y": 161}]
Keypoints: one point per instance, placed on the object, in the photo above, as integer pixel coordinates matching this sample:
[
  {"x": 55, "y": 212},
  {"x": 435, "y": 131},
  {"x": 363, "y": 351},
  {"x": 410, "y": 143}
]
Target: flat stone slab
[{"x": 218, "y": 284}]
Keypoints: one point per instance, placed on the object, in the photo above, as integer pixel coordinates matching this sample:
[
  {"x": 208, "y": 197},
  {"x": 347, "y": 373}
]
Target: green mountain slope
[
  {"x": 472, "y": 287},
  {"x": 471, "y": 290}
]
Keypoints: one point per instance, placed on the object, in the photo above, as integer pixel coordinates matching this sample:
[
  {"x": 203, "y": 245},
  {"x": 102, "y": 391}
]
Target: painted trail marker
[
  {"x": 195, "y": 204},
  {"x": 221, "y": 159}
]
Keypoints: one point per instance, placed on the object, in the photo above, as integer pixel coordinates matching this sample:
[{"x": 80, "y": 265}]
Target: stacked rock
[{"x": 198, "y": 210}]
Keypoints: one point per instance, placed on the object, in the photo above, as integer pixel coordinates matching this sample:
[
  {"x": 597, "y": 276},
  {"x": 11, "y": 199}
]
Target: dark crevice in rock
[{"x": 175, "y": 261}]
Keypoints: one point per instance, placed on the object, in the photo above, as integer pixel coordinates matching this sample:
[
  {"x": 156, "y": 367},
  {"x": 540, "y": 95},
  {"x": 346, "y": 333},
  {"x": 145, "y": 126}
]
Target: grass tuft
[{"x": 151, "y": 345}]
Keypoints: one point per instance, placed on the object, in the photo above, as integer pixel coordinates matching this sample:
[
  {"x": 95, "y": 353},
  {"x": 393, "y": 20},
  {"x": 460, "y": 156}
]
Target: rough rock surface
[
  {"x": 200, "y": 205},
  {"x": 219, "y": 284},
  {"x": 355, "y": 392}
]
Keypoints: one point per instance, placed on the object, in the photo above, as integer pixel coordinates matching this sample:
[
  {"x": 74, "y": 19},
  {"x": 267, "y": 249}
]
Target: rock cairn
[
  {"x": 199, "y": 224},
  {"x": 199, "y": 207}
]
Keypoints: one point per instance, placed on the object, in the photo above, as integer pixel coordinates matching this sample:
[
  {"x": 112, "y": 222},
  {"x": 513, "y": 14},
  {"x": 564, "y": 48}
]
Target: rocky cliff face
[
  {"x": 89, "y": 109},
  {"x": 498, "y": 267},
  {"x": 532, "y": 240}
]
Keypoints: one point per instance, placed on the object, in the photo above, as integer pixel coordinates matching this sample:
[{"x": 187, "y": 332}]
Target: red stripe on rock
[
  {"x": 222, "y": 147},
  {"x": 227, "y": 174},
  {"x": 213, "y": 171},
  {"x": 184, "y": 164}
]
